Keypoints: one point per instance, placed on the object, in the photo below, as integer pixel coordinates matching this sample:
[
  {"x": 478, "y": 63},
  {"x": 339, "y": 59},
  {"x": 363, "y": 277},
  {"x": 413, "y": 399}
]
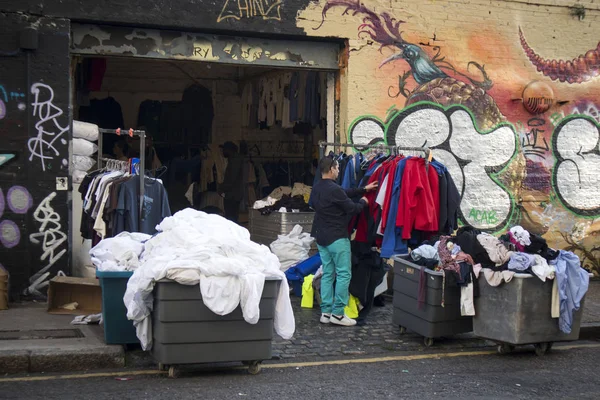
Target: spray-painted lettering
[
  {"x": 49, "y": 235},
  {"x": 48, "y": 127}
]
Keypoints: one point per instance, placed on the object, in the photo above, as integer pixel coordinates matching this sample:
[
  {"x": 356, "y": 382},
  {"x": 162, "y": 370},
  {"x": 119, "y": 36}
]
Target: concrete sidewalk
[{"x": 31, "y": 340}]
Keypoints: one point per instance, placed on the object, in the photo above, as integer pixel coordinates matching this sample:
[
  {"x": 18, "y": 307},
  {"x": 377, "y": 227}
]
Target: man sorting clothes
[{"x": 333, "y": 210}]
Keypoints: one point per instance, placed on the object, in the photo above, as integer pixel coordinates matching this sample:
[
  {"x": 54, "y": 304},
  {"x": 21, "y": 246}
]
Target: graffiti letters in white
[
  {"x": 49, "y": 234},
  {"x": 48, "y": 127},
  {"x": 458, "y": 145},
  {"x": 576, "y": 145}
]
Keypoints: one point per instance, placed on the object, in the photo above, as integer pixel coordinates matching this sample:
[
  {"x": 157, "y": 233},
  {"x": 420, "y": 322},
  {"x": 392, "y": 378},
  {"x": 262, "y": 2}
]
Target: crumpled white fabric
[
  {"x": 521, "y": 235},
  {"x": 269, "y": 201},
  {"x": 119, "y": 253},
  {"x": 292, "y": 248},
  {"x": 195, "y": 248},
  {"x": 541, "y": 268}
]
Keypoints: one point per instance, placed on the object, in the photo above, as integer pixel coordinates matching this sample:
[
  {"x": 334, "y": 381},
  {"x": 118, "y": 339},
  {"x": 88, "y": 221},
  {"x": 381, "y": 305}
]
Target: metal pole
[
  {"x": 100, "y": 149},
  {"x": 142, "y": 166}
]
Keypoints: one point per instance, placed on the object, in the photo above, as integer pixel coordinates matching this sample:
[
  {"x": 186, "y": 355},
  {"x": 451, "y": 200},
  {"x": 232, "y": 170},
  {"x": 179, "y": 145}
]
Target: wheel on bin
[
  {"x": 402, "y": 330},
  {"x": 254, "y": 367},
  {"x": 428, "y": 341},
  {"x": 505, "y": 348},
  {"x": 173, "y": 372},
  {"x": 542, "y": 348},
  {"x": 162, "y": 367}
]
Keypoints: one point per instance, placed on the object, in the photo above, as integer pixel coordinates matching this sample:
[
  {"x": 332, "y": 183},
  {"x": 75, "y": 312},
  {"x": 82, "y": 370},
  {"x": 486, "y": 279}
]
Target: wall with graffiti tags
[
  {"x": 34, "y": 152},
  {"x": 506, "y": 93}
]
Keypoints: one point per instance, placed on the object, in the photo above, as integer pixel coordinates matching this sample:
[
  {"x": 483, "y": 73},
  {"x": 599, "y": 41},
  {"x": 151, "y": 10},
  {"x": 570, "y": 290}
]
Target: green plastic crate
[{"x": 117, "y": 328}]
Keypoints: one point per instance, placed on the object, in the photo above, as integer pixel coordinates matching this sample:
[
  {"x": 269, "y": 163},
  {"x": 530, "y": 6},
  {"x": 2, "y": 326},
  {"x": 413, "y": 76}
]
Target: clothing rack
[
  {"x": 131, "y": 133},
  {"x": 322, "y": 145},
  {"x": 112, "y": 163}
]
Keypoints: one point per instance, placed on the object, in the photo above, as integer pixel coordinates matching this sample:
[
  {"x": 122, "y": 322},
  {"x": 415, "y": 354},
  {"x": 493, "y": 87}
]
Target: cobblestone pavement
[{"x": 378, "y": 337}]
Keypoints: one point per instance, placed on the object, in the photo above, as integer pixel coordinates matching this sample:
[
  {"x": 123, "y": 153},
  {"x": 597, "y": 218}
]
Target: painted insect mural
[{"x": 578, "y": 70}]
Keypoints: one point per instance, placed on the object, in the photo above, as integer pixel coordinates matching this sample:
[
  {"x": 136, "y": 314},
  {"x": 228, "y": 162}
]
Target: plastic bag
[
  {"x": 83, "y": 163},
  {"x": 85, "y": 131},
  {"x": 82, "y": 147},
  {"x": 292, "y": 248},
  {"x": 78, "y": 176}
]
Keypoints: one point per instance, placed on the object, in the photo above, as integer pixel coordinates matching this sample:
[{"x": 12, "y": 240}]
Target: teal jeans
[{"x": 337, "y": 264}]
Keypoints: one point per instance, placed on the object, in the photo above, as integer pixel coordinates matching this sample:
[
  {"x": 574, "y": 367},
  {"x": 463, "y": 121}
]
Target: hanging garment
[
  {"x": 155, "y": 206},
  {"x": 418, "y": 199},
  {"x": 495, "y": 278},
  {"x": 392, "y": 242},
  {"x": 367, "y": 273},
  {"x": 573, "y": 283},
  {"x": 467, "y": 305}
]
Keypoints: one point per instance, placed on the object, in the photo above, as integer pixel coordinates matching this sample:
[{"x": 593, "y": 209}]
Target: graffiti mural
[
  {"x": 50, "y": 235},
  {"x": 469, "y": 155},
  {"x": 19, "y": 201},
  {"x": 576, "y": 148},
  {"x": 239, "y": 9},
  {"x": 522, "y": 147},
  {"x": 48, "y": 126},
  {"x": 581, "y": 69},
  {"x": 430, "y": 73}
]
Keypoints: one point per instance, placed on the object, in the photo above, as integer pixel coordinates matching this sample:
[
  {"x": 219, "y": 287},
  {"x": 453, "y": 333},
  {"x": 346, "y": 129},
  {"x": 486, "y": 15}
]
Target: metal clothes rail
[
  {"x": 131, "y": 132},
  {"x": 396, "y": 149}
]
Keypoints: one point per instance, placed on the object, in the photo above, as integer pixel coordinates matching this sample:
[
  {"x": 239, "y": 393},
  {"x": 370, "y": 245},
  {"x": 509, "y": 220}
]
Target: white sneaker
[
  {"x": 325, "y": 318},
  {"x": 343, "y": 320}
]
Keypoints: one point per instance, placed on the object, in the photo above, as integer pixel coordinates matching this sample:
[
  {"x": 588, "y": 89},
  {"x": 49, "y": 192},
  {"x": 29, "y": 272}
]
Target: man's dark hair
[{"x": 326, "y": 164}]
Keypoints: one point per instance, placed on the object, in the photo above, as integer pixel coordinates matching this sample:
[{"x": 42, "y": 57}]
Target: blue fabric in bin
[
  {"x": 297, "y": 287},
  {"x": 309, "y": 266}
]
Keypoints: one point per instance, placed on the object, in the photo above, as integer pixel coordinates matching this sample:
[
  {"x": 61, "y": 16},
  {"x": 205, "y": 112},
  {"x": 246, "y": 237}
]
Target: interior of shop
[{"x": 189, "y": 109}]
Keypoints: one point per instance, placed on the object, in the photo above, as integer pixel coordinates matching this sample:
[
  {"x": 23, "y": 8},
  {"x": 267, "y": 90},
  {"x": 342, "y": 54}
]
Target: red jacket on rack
[{"x": 418, "y": 207}]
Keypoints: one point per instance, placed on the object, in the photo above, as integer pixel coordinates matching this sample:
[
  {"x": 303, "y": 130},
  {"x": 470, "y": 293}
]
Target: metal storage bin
[
  {"x": 432, "y": 320},
  {"x": 265, "y": 228},
  {"x": 518, "y": 313},
  {"x": 186, "y": 332}
]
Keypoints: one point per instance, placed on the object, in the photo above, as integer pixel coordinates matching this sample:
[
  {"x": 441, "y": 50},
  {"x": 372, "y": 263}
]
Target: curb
[{"x": 52, "y": 360}]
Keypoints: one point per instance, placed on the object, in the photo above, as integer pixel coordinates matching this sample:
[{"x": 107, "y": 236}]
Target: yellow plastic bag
[
  {"x": 351, "y": 310},
  {"x": 308, "y": 294}
]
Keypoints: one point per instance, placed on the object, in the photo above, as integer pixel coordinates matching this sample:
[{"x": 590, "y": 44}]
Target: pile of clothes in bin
[
  {"x": 196, "y": 248},
  {"x": 285, "y": 199},
  {"x": 472, "y": 254}
]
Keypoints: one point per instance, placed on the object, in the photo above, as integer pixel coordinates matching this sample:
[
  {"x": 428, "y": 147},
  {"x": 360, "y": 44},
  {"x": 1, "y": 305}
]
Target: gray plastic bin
[
  {"x": 265, "y": 228},
  {"x": 519, "y": 313},
  {"x": 185, "y": 331},
  {"x": 432, "y": 320}
]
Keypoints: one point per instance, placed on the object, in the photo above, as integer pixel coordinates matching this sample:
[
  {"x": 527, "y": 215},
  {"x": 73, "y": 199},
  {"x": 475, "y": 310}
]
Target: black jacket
[{"x": 333, "y": 210}]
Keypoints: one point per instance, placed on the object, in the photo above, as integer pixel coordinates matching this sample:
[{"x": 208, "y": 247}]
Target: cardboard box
[{"x": 66, "y": 289}]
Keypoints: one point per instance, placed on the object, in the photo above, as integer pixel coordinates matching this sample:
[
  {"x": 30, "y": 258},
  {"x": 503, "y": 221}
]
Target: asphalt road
[{"x": 562, "y": 373}]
